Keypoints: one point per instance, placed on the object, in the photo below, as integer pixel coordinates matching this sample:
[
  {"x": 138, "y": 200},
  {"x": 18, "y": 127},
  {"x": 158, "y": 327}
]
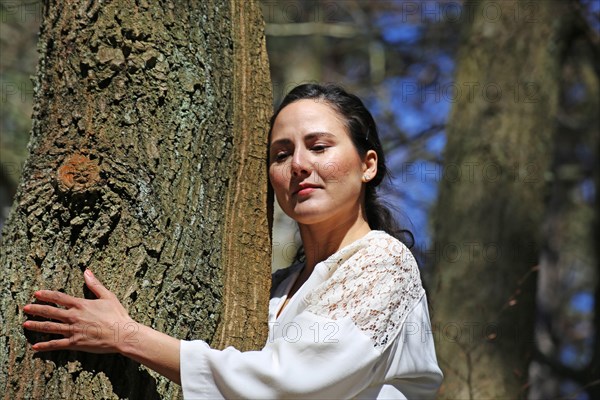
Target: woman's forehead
[{"x": 307, "y": 115}]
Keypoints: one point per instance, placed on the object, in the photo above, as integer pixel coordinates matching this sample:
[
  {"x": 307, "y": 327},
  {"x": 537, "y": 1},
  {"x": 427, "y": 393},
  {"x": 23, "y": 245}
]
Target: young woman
[{"x": 349, "y": 320}]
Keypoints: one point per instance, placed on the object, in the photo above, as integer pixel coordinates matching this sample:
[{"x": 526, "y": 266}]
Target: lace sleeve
[{"x": 377, "y": 287}]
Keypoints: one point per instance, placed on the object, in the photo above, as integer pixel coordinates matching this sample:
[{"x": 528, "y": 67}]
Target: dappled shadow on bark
[{"x": 127, "y": 379}]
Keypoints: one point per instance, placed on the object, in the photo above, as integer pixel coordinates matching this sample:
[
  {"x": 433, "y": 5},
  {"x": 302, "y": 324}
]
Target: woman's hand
[
  {"x": 96, "y": 326},
  {"x": 102, "y": 326}
]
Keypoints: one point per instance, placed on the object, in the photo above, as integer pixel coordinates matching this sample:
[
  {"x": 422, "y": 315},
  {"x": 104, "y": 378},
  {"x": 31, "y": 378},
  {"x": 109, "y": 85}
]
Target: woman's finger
[
  {"x": 47, "y": 312},
  {"x": 57, "y": 344},
  {"x": 51, "y": 296},
  {"x": 49, "y": 327},
  {"x": 95, "y": 286}
]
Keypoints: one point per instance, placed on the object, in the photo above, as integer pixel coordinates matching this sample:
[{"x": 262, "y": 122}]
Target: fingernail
[{"x": 89, "y": 273}]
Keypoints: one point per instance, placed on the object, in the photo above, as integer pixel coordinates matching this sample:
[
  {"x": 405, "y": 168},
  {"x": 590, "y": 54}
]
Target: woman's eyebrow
[
  {"x": 280, "y": 142},
  {"x": 314, "y": 135},
  {"x": 307, "y": 137}
]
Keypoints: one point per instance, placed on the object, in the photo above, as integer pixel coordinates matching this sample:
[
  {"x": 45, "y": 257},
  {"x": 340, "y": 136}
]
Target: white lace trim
[{"x": 375, "y": 282}]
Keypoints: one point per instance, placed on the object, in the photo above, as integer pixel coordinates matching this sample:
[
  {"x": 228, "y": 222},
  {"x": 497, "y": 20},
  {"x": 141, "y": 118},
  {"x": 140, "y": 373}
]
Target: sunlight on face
[{"x": 314, "y": 168}]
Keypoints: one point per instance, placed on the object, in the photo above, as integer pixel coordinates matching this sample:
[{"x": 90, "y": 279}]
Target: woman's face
[{"x": 314, "y": 168}]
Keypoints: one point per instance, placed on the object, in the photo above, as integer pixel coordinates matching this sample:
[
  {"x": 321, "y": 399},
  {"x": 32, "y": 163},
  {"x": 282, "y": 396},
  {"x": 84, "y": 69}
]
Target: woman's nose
[{"x": 301, "y": 163}]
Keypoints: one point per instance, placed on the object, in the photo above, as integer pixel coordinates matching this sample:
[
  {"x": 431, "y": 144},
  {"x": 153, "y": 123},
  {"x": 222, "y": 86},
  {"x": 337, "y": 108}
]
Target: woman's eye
[
  {"x": 281, "y": 156},
  {"x": 318, "y": 148}
]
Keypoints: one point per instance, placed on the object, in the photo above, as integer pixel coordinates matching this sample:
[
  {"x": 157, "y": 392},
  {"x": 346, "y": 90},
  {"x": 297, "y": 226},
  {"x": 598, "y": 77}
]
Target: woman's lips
[{"x": 306, "y": 191}]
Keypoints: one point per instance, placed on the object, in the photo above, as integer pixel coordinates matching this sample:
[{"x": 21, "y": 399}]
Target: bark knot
[{"x": 78, "y": 174}]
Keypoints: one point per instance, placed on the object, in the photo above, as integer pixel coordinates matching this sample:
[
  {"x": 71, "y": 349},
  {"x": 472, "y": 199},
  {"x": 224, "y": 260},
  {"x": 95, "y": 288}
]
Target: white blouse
[{"x": 357, "y": 328}]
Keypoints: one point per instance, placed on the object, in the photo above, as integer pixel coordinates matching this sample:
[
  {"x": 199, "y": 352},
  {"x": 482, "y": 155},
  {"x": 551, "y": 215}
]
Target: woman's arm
[
  {"x": 102, "y": 326},
  {"x": 155, "y": 350}
]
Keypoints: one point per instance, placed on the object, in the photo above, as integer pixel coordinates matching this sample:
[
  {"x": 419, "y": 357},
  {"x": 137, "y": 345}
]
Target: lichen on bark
[{"x": 133, "y": 151}]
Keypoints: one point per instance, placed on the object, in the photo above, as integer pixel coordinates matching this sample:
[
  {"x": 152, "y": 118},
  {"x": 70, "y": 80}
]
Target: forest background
[{"x": 401, "y": 57}]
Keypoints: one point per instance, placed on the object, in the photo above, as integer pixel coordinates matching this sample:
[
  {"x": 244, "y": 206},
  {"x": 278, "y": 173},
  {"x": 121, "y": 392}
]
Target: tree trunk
[
  {"x": 569, "y": 257},
  {"x": 147, "y": 164},
  {"x": 491, "y": 199}
]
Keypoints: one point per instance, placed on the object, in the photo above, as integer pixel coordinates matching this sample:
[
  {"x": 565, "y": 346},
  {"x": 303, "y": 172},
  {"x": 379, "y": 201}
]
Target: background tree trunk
[
  {"x": 568, "y": 268},
  {"x": 147, "y": 164},
  {"x": 498, "y": 151}
]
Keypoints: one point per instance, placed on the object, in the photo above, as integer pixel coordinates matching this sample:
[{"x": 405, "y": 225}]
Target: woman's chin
[{"x": 303, "y": 214}]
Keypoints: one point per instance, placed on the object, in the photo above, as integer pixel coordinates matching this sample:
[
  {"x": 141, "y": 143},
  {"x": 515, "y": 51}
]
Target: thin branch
[{"x": 312, "y": 28}]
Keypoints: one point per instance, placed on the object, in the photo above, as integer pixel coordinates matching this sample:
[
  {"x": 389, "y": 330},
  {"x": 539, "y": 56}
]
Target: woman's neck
[{"x": 322, "y": 240}]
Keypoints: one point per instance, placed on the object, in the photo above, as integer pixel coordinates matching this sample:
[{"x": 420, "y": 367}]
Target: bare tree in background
[{"x": 492, "y": 202}]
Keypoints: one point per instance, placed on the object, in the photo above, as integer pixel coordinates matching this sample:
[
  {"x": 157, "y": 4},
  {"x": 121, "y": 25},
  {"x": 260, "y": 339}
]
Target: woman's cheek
[
  {"x": 277, "y": 177},
  {"x": 329, "y": 171},
  {"x": 273, "y": 174},
  {"x": 338, "y": 171}
]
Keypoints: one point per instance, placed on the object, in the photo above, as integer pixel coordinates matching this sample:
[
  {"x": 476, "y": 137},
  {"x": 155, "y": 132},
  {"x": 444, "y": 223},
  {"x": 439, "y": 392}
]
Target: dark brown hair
[{"x": 363, "y": 132}]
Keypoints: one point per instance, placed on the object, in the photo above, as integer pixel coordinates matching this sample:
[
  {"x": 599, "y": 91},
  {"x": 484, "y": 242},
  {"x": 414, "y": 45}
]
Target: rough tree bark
[
  {"x": 491, "y": 200},
  {"x": 146, "y": 164}
]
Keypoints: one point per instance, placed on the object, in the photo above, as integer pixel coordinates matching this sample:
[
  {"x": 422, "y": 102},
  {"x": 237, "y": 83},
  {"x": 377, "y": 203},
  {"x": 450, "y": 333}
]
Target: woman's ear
[{"x": 369, "y": 165}]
